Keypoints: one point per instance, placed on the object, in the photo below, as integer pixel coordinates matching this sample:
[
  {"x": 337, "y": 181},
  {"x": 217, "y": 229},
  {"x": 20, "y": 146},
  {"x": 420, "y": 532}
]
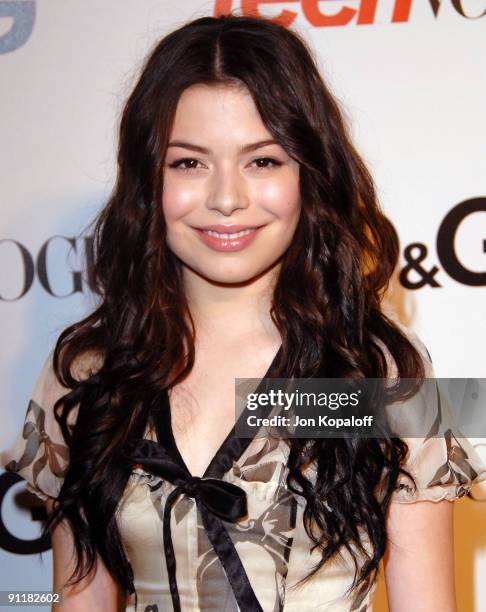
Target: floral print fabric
[{"x": 271, "y": 541}]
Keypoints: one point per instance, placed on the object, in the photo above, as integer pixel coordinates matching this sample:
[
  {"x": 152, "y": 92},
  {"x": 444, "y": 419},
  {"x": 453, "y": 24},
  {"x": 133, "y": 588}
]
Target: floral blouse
[{"x": 233, "y": 540}]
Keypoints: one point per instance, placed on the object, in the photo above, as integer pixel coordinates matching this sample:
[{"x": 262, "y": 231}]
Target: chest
[{"x": 203, "y": 405}]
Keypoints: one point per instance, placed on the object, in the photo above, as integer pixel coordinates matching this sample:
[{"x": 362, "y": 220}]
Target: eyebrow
[{"x": 245, "y": 149}]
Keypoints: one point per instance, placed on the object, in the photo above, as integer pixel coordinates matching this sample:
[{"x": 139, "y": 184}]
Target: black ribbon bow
[{"x": 216, "y": 500}]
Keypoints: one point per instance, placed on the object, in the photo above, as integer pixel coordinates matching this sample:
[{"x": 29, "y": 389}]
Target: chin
[{"x": 229, "y": 276}]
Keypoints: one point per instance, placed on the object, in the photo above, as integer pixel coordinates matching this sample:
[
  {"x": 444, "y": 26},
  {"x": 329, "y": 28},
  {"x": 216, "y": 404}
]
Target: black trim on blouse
[{"x": 216, "y": 500}]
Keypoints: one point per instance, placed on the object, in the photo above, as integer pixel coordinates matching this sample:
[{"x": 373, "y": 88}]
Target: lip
[
  {"x": 228, "y": 229},
  {"x": 228, "y": 244}
]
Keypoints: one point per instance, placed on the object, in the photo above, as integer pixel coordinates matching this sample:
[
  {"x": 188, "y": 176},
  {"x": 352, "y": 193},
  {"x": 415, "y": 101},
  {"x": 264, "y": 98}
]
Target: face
[{"x": 231, "y": 196}]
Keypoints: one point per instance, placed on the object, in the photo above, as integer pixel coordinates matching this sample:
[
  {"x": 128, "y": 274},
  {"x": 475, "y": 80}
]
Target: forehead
[{"x": 217, "y": 113}]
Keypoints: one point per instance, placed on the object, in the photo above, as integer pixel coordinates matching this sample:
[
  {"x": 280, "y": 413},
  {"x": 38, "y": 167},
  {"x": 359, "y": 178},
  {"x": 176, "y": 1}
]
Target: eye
[
  {"x": 185, "y": 164},
  {"x": 265, "y": 163}
]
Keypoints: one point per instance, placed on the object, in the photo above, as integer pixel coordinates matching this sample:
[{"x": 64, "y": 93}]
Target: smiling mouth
[
  {"x": 232, "y": 236},
  {"x": 226, "y": 242}
]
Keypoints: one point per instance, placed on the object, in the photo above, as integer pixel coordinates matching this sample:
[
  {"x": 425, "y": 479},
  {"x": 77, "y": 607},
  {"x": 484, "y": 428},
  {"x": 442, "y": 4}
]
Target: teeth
[{"x": 228, "y": 236}]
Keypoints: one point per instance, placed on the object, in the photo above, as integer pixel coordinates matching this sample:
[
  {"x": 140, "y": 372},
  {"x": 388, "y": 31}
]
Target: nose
[{"x": 228, "y": 192}]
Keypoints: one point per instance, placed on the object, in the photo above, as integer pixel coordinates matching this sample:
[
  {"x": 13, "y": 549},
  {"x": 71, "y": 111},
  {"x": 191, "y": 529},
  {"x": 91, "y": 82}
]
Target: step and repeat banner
[{"x": 410, "y": 77}]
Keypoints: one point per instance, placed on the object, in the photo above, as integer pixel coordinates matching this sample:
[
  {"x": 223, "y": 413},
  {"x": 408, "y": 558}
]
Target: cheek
[
  {"x": 178, "y": 199},
  {"x": 281, "y": 197}
]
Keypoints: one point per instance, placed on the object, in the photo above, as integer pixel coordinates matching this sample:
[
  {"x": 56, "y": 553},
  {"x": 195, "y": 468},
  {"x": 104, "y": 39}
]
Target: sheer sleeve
[
  {"x": 444, "y": 466},
  {"x": 39, "y": 453}
]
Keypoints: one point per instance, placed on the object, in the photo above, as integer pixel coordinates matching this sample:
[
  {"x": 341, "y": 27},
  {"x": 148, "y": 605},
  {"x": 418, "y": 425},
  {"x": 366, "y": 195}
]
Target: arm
[
  {"x": 98, "y": 592},
  {"x": 419, "y": 560}
]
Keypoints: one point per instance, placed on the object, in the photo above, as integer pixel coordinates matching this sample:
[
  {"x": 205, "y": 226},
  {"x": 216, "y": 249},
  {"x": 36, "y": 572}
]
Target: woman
[{"x": 243, "y": 238}]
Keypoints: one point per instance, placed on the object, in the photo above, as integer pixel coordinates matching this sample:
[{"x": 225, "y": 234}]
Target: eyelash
[{"x": 177, "y": 164}]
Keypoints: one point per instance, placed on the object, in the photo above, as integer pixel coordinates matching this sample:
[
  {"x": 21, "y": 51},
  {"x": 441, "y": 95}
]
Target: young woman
[{"x": 243, "y": 238}]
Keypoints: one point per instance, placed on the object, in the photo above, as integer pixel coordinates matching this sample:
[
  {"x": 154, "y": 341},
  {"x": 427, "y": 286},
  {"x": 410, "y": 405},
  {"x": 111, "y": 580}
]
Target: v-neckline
[{"x": 230, "y": 450}]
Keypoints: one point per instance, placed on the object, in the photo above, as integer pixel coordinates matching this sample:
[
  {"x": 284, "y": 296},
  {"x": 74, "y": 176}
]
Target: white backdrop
[{"x": 410, "y": 76}]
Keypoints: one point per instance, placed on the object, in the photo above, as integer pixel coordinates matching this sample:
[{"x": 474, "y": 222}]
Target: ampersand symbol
[{"x": 413, "y": 263}]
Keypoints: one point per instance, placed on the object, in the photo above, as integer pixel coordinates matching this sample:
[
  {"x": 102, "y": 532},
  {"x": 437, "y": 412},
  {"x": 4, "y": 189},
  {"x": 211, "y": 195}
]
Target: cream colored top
[{"x": 270, "y": 541}]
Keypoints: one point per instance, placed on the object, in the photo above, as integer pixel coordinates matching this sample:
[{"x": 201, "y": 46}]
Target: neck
[{"x": 231, "y": 312}]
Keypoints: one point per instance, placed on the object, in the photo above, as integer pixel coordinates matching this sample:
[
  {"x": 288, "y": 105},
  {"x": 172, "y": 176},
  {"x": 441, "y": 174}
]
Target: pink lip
[
  {"x": 227, "y": 244},
  {"x": 228, "y": 229}
]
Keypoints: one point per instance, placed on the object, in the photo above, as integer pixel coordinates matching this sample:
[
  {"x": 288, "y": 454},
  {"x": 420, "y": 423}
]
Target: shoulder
[
  {"x": 416, "y": 341},
  {"x": 39, "y": 453},
  {"x": 48, "y": 388}
]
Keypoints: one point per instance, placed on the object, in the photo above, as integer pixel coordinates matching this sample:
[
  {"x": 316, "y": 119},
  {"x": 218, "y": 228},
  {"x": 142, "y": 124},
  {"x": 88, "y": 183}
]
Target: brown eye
[
  {"x": 264, "y": 163},
  {"x": 184, "y": 164}
]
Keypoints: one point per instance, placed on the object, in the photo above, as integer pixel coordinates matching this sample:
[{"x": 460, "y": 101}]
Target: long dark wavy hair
[{"x": 326, "y": 303}]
